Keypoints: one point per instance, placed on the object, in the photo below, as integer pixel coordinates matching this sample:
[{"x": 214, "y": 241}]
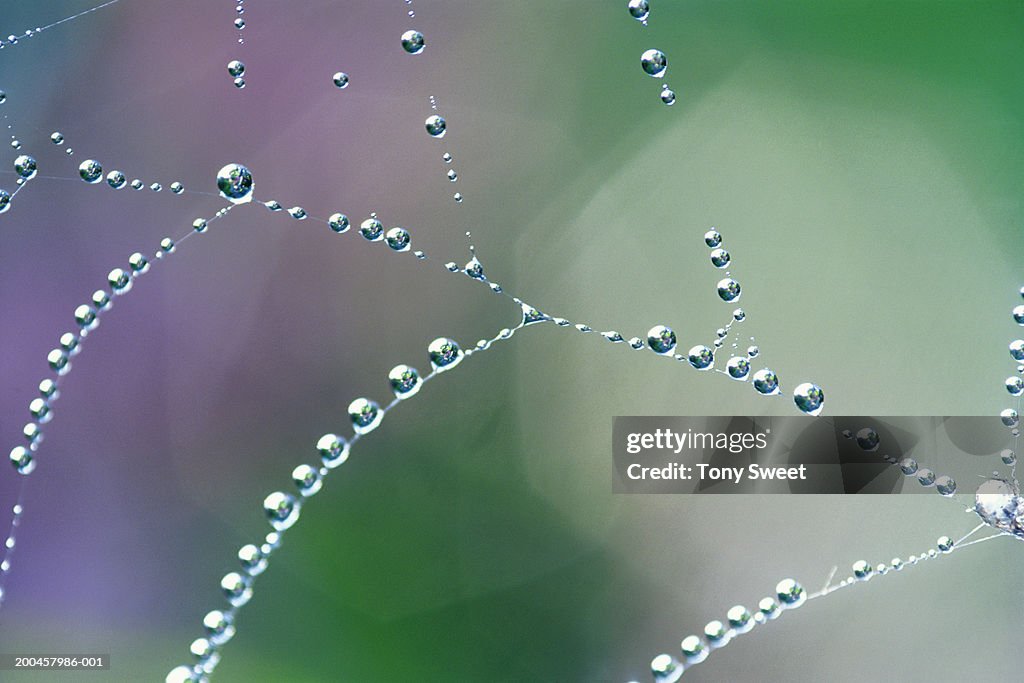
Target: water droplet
[
  {"x": 22, "y": 460},
  {"x": 235, "y": 183},
  {"x": 56, "y": 138},
  {"x": 925, "y": 477},
  {"x": 237, "y": 588},
  {"x": 413, "y": 42},
  {"x": 945, "y": 485},
  {"x": 90, "y": 171},
  {"x": 404, "y": 380},
  {"x": 1008, "y": 457},
  {"x": 341, "y": 80},
  {"x": 307, "y": 479},
  {"x": 738, "y": 368},
  {"x": 333, "y": 450},
  {"x": 863, "y": 571},
  {"x": 728, "y": 290},
  {"x": 365, "y": 415},
  {"x": 298, "y": 213},
  {"x": 119, "y": 280},
  {"x": 1009, "y": 417},
  {"x": 661, "y": 339},
  {"x": 654, "y": 63},
  {"x": 25, "y": 166},
  {"x": 701, "y": 357},
  {"x": 668, "y": 96},
  {"x": 398, "y": 239},
  {"x": 219, "y": 626},
  {"x": 253, "y": 560},
  {"x": 282, "y": 510},
  {"x": 809, "y": 398},
  {"x": 236, "y": 68},
  {"x": 5, "y": 201},
  {"x": 639, "y": 9},
  {"x": 239, "y": 83},
  {"x": 720, "y": 258},
  {"x": 338, "y": 222},
  {"x": 372, "y": 229},
  {"x": 867, "y": 439},
  {"x": 116, "y": 180},
  {"x": 444, "y": 354},
  {"x": 436, "y": 126},
  {"x": 766, "y": 382},
  {"x": 177, "y": 188},
  {"x": 1015, "y": 385},
  {"x": 452, "y": 175},
  {"x": 790, "y": 593},
  {"x": 666, "y": 669},
  {"x": 1018, "y": 314}
]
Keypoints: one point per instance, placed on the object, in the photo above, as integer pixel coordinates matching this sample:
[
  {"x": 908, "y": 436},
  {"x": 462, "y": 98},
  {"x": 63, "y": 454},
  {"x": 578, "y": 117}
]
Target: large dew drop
[
  {"x": 809, "y": 398},
  {"x": 413, "y": 42},
  {"x": 436, "y": 126},
  {"x": 654, "y": 63},
  {"x": 235, "y": 183}
]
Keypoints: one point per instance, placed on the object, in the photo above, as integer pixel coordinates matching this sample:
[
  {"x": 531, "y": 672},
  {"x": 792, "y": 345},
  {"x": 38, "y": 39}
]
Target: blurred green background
[{"x": 861, "y": 158}]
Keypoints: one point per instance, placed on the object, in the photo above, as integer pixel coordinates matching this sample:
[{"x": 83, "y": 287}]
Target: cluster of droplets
[
  {"x": 87, "y": 318},
  {"x": 282, "y": 508},
  {"x": 808, "y": 397},
  {"x": 236, "y": 67},
  {"x": 789, "y": 594},
  {"x": 91, "y": 171},
  {"x": 14, "y": 38},
  {"x": 653, "y": 62},
  {"x": 868, "y": 440},
  {"x": 694, "y": 649}
]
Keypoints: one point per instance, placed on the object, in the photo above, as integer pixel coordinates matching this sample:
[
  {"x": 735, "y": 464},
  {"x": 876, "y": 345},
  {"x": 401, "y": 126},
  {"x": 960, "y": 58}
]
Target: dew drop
[
  {"x": 398, "y": 239},
  {"x": 365, "y": 415},
  {"x": 639, "y": 9},
  {"x": 282, "y": 510},
  {"x": 809, "y": 398},
  {"x": 701, "y": 357},
  {"x": 90, "y": 171},
  {"x": 766, "y": 382},
  {"x": 661, "y": 339},
  {"x": 444, "y": 354},
  {"x": 338, "y": 222},
  {"x": 404, "y": 381},
  {"x": 236, "y": 68},
  {"x": 235, "y": 183},
  {"x": 333, "y": 450},
  {"x": 654, "y": 63},
  {"x": 372, "y": 229},
  {"x": 728, "y": 290},
  {"x": 436, "y": 126},
  {"x": 307, "y": 479},
  {"x": 340, "y": 80},
  {"x": 25, "y": 166},
  {"x": 738, "y": 368},
  {"x": 116, "y": 180},
  {"x": 413, "y": 42}
]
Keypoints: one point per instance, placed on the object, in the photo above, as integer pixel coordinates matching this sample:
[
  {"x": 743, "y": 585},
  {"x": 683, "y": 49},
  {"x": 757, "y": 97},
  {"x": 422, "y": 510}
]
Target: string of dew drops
[
  {"x": 14, "y": 39},
  {"x": 364, "y": 413}
]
